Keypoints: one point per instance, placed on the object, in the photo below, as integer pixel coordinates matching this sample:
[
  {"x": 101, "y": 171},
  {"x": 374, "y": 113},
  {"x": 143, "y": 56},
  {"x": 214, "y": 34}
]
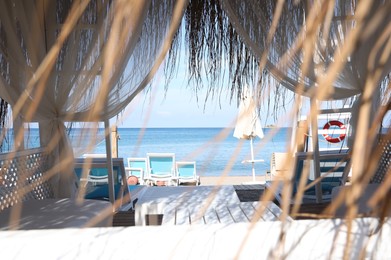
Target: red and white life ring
[{"x": 335, "y": 139}]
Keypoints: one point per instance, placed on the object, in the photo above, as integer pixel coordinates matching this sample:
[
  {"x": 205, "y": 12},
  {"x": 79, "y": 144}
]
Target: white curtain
[
  {"x": 325, "y": 50},
  {"x": 310, "y": 36},
  {"x": 63, "y": 60}
]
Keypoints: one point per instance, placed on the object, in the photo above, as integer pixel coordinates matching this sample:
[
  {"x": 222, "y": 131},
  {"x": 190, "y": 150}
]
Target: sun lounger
[
  {"x": 187, "y": 173},
  {"x": 96, "y": 179},
  {"x": 96, "y": 182},
  {"x": 137, "y": 167},
  {"x": 58, "y": 213},
  {"x": 376, "y": 182},
  {"x": 96, "y": 176},
  {"x": 161, "y": 169},
  {"x": 38, "y": 208},
  {"x": 334, "y": 167}
]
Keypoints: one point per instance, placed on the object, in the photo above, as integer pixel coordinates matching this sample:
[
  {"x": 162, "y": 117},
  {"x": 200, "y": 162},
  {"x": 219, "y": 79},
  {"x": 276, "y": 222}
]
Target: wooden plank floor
[
  {"x": 249, "y": 187},
  {"x": 160, "y": 200},
  {"x": 222, "y": 214},
  {"x": 246, "y": 193}
]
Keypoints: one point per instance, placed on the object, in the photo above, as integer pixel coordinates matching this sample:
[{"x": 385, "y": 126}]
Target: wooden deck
[
  {"x": 200, "y": 205},
  {"x": 187, "y": 201},
  {"x": 245, "y": 193},
  {"x": 224, "y": 214},
  {"x": 248, "y": 192}
]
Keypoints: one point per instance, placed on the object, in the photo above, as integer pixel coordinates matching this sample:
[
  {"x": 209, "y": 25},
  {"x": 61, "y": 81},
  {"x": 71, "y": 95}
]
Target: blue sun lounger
[
  {"x": 186, "y": 173},
  {"x": 161, "y": 168},
  {"x": 334, "y": 167},
  {"x": 96, "y": 181},
  {"x": 137, "y": 166}
]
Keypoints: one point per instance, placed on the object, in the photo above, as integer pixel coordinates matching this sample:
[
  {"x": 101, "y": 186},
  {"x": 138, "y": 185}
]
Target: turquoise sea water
[
  {"x": 199, "y": 144},
  {"x": 191, "y": 144}
]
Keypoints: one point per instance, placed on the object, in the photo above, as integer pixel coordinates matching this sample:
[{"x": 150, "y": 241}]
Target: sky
[{"x": 178, "y": 107}]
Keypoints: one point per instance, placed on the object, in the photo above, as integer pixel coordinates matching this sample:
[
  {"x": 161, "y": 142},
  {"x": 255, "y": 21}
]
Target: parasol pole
[{"x": 252, "y": 157}]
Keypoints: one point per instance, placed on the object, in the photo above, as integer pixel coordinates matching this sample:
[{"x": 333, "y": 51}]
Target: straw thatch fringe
[
  {"x": 213, "y": 47},
  {"x": 219, "y": 55}
]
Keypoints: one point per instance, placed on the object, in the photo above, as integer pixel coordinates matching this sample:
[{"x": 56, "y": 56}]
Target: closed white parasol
[{"x": 248, "y": 124}]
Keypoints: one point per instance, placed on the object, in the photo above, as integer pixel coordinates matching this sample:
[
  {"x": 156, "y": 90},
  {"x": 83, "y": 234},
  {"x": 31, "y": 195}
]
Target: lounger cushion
[
  {"x": 362, "y": 203},
  {"x": 57, "y": 213}
]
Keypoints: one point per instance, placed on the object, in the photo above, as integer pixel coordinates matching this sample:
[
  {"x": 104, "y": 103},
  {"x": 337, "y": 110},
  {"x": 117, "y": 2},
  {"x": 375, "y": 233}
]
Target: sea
[{"x": 215, "y": 150}]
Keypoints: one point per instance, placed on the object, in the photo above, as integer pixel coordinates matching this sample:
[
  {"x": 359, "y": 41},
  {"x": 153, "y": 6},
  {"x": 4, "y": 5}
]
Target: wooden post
[
  {"x": 18, "y": 134},
  {"x": 114, "y": 142},
  {"x": 302, "y": 136},
  {"x": 315, "y": 147},
  {"x": 110, "y": 165}
]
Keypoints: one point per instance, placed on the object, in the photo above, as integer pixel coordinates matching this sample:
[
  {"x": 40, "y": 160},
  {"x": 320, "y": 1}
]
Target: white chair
[
  {"x": 137, "y": 166},
  {"x": 187, "y": 173},
  {"x": 279, "y": 166},
  {"x": 161, "y": 168}
]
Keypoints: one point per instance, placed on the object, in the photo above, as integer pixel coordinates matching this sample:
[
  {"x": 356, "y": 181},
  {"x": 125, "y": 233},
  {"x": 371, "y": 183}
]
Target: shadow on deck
[{"x": 246, "y": 193}]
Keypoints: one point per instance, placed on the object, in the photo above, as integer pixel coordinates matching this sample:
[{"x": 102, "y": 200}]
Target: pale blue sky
[{"x": 178, "y": 107}]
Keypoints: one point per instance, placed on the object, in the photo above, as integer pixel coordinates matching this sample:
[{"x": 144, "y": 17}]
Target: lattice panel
[
  {"x": 384, "y": 162},
  {"x": 37, "y": 166},
  {"x": 9, "y": 183},
  {"x": 22, "y": 177}
]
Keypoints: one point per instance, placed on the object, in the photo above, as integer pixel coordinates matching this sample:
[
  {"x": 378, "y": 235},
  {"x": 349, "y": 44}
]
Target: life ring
[{"x": 335, "y": 139}]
